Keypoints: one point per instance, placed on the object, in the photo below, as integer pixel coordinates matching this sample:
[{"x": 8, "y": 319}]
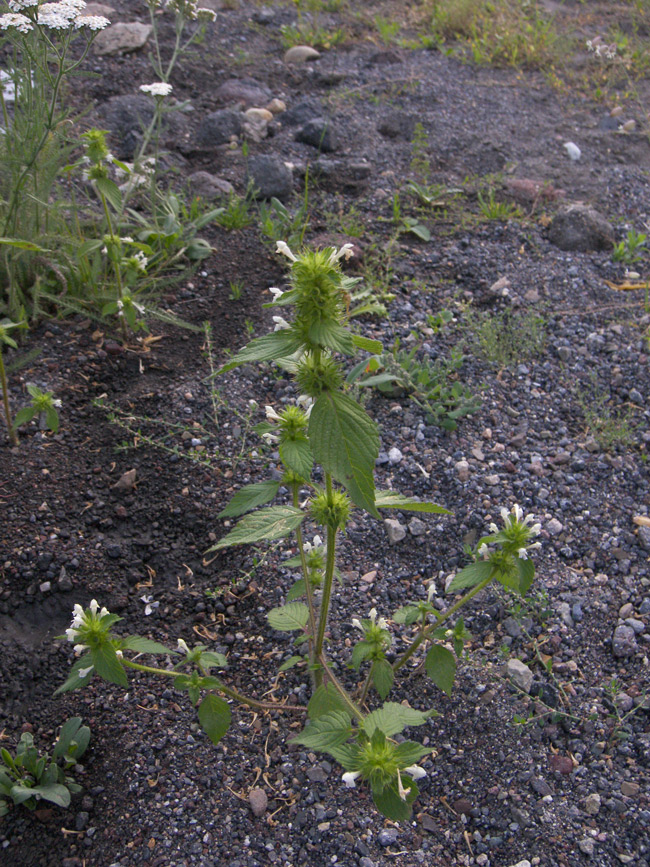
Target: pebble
[
  {"x": 637, "y": 625},
  {"x": 462, "y": 470},
  {"x": 624, "y": 642},
  {"x": 587, "y": 846},
  {"x": 258, "y": 801},
  {"x": 554, "y": 527},
  {"x": 630, "y": 790},
  {"x": 387, "y": 836},
  {"x": 592, "y": 804},
  {"x": 395, "y": 455},
  {"x": 417, "y": 527},
  {"x": 520, "y": 674},
  {"x": 395, "y": 531},
  {"x": 300, "y": 54}
]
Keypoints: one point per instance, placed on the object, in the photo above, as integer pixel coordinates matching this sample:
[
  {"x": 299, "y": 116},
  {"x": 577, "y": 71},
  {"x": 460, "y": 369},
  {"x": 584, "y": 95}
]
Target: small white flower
[
  {"x": 431, "y": 591},
  {"x": 119, "y": 654},
  {"x": 182, "y": 646},
  {"x": 345, "y": 252},
  {"x": 92, "y": 22},
  {"x": 79, "y": 649},
  {"x": 206, "y": 15},
  {"x": 522, "y": 553},
  {"x": 536, "y": 529},
  {"x": 372, "y": 614},
  {"x": 94, "y": 606},
  {"x": 350, "y": 778},
  {"x": 517, "y": 511},
  {"x": 493, "y": 528},
  {"x": 483, "y": 551},
  {"x": 270, "y": 438},
  {"x": 401, "y": 791},
  {"x": 277, "y": 293},
  {"x": 271, "y": 414},
  {"x": 149, "y": 605},
  {"x": 19, "y": 5},
  {"x": 415, "y": 772},
  {"x": 84, "y": 671},
  {"x": 357, "y": 624},
  {"x": 283, "y": 247},
  {"x": 281, "y": 324},
  {"x": 56, "y": 403},
  {"x": 20, "y": 22},
  {"x": 158, "y": 88},
  {"x": 310, "y": 546}
]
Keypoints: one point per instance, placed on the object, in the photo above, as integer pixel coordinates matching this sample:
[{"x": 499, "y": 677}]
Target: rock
[
  {"x": 258, "y": 801},
  {"x": 587, "y": 846},
  {"x": 317, "y": 774},
  {"x": 245, "y": 91},
  {"x": 270, "y": 176},
  {"x": 300, "y": 54},
  {"x": 644, "y": 537},
  {"x": 397, "y": 124},
  {"x": 624, "y": 642},
  {"x": 429, "y": 823},
  {"x": 528, "y": 191},
  {"x": 581, "y": 228},
  {"x": 302, "y": 112},
  {"x": 630, "y": 790},
  {"x": 341, "y": 175},
  {"x": 512, "y": 627},
  {"x": 126, "y": 482},
  {"x": 100, "y": 9},
  {"x": 219, "y": 127},
  {"x": 121, "y": 38},
  {"x": 255, "y": 127},
  {"x": 519, "y": 674},
  {"x": 320, "y": 133},
  {"x": 462, "y": 470},
  {"x": 45, "y": 587},
  {"x": 209, "y": 186},
  {"x": 394, "y": 455},
  {"x": 417, "y": 527},
  {"x": 524, "y": 863},
  {"x": 592, "y": 804},
  {"x": 65, "y": 582},
  {"x": 645, "y": 606},
  {"x": 125, "y": 117},
  {"x": 564, "y": 610},
  {"x": 395, "y": 531},
  {"x": 462, "y": 805},
  {"x": 387, "y": 836},
  {"x": 561, "y": 764},
  {"x": 637, "y": 625},
  {"x": 276, "y": 106},
  {"x": 554, "y": 527},
  {"x": 261, "y": 114}
]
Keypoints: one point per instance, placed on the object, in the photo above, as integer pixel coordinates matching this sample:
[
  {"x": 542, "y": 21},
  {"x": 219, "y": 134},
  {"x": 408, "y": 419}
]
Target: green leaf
[
  {"x": 54, "y": 792},
  {"x": 375, "y": 347},
  {"x": 286, "y": 618},
  {"x": 249, "y": 498},
  {"x": 330, "y": 335},
  {"x": 420, "y": 231},
  {"x": 214, "y": 716},
  {"x": 325, "y": 699},
  {"x": 110, "y": 190},
  {"x": 409, "y": 753},
  {"x": 107, "y": 665},
  {"x": 382, "y": 677},
  {"x": 329, "y": 730},
  {"x": 393, "y": 718},
  {"x": 471, "y": 575},
  {"x": 299, "y": 589},
  {"x": 278, "y": 344},
  {"x": 211, "y": 659},
  {"x": 144, "y": 645},
  {"x": 23, "y": 245},
  {"x": 407, "y": 615},
  {"x": 74, "y": 681},
  {"x": 289, "y": 663},
  {"x": 24, "y": 415},
  {"x": 345, "y": 441},
  {"x": 273, "y": 523},
  {"x": 440, "y": 665},
  {"x": 393, "y": 500},
  {"x": 361, "y": 651},
  {"x": 52, "y": 419},
  {"x": 526, "y": 570},
  {"x": 296, "y": 455},
  {"x": 21, "y": 793},
  {"x": 389, "y": 803},
  {"x": 66, "y": 735}
]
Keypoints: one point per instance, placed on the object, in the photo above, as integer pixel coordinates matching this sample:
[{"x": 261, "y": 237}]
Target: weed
[
  {"x": 631, "y": 248},
  {"x": 505, "y": 338},
  {"x": 405, "y": 224},
  {"x": 492, "y": 209},
  {"x": 277, "y": 223},
  {"x": 386, "y": 28},
  {"x": 420, "y": 160},
  {"x": 237, "y": 212},
  {"x": 608, "y": 426},
  {"x": 236, "y": 290}
]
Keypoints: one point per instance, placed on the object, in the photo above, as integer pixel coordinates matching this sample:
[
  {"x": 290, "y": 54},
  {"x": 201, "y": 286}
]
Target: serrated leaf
[
  {"x": 329, "y": 730},
  {"x": 138, "y": 644},
  {"x": 278, "y": 344},
  {"x": 374, "y": 347},
  {"x": 110, "y": 190},
  {"x": 214, "y": 716},
  {"x": 74, "y": 681},
  {"x": 250, "y": 497},
  {"x": 393, "y": 500},
  {"x": 107, "y": 665},
  {"x": 409, "y": 753},
  {"x": 407, "y": 615},
  {"x": 526, "y": 569},
  {"x": 440, "y": 665},
  {"x": 296, "y": 455},
  {"x": 389, "y": 803},
  {"x": 299, "y": 589},
  {"x": 382, "y": 677},
  {"x": 273, "y": 523},
  {"x": 211, "y": 659},
  {"x": 471, "y": 575},
  {"x": 360, "y": 652},
  {"x": 289, "y": 663},
  {"x": 286, "y": 618},
  {"x": 24, "y": 415},
  {"x": 345, "y": 441},
  {"x": 393, "y": 718},
  {"x": 330, "y": 335},
  {"x": 324, "y": 700}
]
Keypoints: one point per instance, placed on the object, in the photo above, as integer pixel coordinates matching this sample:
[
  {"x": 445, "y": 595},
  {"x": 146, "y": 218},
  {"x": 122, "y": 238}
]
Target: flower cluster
[
  {"x": 517, "y": 531},
  {"x": 57, "y": 16},
  {"x": 158, "y": 88},
  {"x": 86, "y": 627},
  {"x": 599, "y": 48}
]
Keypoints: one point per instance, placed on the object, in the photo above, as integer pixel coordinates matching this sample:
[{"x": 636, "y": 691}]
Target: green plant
[
  {"x": 505, "y": 338},
  {"x": 430, "y": 385},
  {"x": 492, "y": 209},
  {"x": 420, "y": 159},
  {"x": 27, "y": 778},
  {"x": 386, "y": 28},
  {"x": 237, "y": 212},
  {"x": 631, "y": 248},
  {"x": 236, "y": 290},
  {"x": 328, "y": 429},
  {"x": 277, "y": 223},
  {"x": 406, "y": 224},
  {"x": 44, "y": 406},
  {"x": 609, "y": 426},
  {"x": 308, "y": 29},
  {"x": 620, "y": 730},
  {"x": 6, "y": 326}
]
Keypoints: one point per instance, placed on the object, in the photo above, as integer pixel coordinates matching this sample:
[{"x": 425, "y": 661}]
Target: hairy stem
[{"x": 13, "y": 436}]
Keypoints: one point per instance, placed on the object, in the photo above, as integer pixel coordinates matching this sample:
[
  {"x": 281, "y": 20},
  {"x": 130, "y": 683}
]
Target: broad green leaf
[
  {"x": 110, "y": 190},
  {"x": 409, "y": 753},
  {"x": 52, "y": 419},
  {"x": 407, "y": 615},
  {"x": 367, "y": 344},
  {"x": 299, "y": 589},
  {"x": 289, "y": 663},
  {"x": 214, "y": 716},
  {"x": 278, "y": 344},
  {"x": 144, "y": 645},
  {"x": 296, "y": 455},
  {"x": 393, "y": 718},
  {"x": 286, "y": 618},
  {"x": 273, "y": 523},
  {"x": 74, "y": 680},
  {"x": 20, "y": 794},
  {"x": 526, "y": 570},
  {"x": 107, "y": 665},
  {"x": 345, "y": 441},
  {"x": 471, "y": 575},
  {"x": 24, "y": 415},
  {"x": 325, "y": 699},
  {"x": 329, "y": 730},
  {"x": 420, "y": 231},
  {"x": 23, "y": 245},
  {"x": 249, "y": 498},
  {"x": 66, "y": 735},
  {"x": 393, "y": 500},
  {"x": 331, "y": 335},
  {"x": 389, "y": 803},
  {"x": 382, "y": 677},
  {"x": 54, "y": 792},
  {"x": 440, "y": 665},
  {"x": 508, "y": 578},
  {"x": 211, "y": 659},
  {"x": 360, "y": 652}
]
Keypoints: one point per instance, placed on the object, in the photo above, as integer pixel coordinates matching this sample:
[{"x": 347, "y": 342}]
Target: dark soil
[{"x": 507, "y": 780}]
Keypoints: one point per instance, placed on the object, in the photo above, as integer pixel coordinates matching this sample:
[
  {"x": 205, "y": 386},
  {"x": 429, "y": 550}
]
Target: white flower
[
  {"x": 92, "y": 22},
  {"x": 18, "y": 5},
  {"x": 182, "y": 646},
  {"x": 346, "y": 251},
  {"x": 350, "y": 777},
  {"x": 158, "y": 88},
  {"x": 522, "y": 553},
  {"x": 306, "y": 402},
  {"x": 57, "y": 402},
  {"x": 357, "y": 624},
  {"x": 493, "y": 528},
  {"x": 84, "y": 671},
  {"x": 20, "y": 22},
  {"x": 282, "y": 247},
  {"x": 281, "y": 324},
  {"x": 149, "y": 605},
  {"x": 483, "y": 551},
  {"x": 277, "y": 293},
  {"x": 206, "y": 15},
  {"x": 310, "y": 546},
  {"x": 270, "y": 438},
  {"x": 415, "y": 772},
  {"x": 401, "y": 791},
  {"x": 271, "y": 414},
  {"x": 431, "y": 590},
  {"x": 79, "y": 649},
  {"x": 119, "y": 654}
]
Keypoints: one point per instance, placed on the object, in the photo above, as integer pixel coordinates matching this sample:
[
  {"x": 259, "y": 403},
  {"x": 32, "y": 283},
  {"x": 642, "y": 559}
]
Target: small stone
[
  {"x": 626, "y": 610},
  {"x": 387, "y": 836},
  {"x": 81, "y": 820},
  {"x": 369, "y": 577},
  {"x": 300, "y": 54},
  {"x": 462, "y": 470},
  {"x": 209, "y": 186},
  {"x": 592, "y": 804},
  {"x": 624, "y": 642},
  {"x": 317, "y": 774},
  {"x": 220, "y": 127},
  {"x": 630, "y": 790},
  {"x": 644, "y": 537},
  {"x": 417, "y": 527},
  {"x": 395, "y": 455},
  {"x": 637, "y": 625},
  {"x": 64, "y": 582},
  {"x": 319, "y": 133},
  {"x": 258, "y": 801},
  {"x": 121, "y": 38},
  {"x": 524, "y": 863},
  {"x": 587, "y": 846},
  {"x": 561, "y": 764},
  {"x": 245, "y": 91},
  {"x": 462, "y": 805},
  {"x": 395, "y": 531},
  {"x": 492, "y": 480},
  {"x": 519, "y": 674},
  {"x": 45, "y": 587},
  {"x": 429, "y": 823},
  {"x": 554, "y": 527},
  {"x": 276, "y": 106},
  {"x": 126, "y": 482}
]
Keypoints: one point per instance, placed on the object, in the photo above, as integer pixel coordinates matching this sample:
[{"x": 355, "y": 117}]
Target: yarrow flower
[
  {"x": 20, "y": 22},
  {"x": 158, "y": 88},
  {"x": 92, "y": 22},
  {"x": 18, "y": 5}
]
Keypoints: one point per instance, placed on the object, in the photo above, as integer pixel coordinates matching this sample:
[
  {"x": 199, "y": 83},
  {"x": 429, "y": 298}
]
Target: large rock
[
  {"x": 320, "y": 133},
  {"x": 246, "y": 91},
  {"x": 121, "y": 38},
  {"x": 125, "y": 117},
  {"x": 270, "y": 176},
  {"x": 209, "y": 186},
  {"x": 219, "y": 127},
  {"x": 580, "y": 228}
]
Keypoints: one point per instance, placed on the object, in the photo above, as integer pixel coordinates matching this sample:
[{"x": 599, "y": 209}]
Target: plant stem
[
  {"x": 425, "y": 633},
  {"x": 366, "y": 684},
  {"x": 227, "y": 690},
  {"x": 305, "y": 571},
  {"x": 327, "y": 585},
  {"x": 342, "y": 691},
  {"x": 13, "y": 436}
]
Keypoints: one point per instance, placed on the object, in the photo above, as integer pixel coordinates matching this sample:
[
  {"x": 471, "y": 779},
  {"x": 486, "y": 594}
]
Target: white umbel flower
[
  {"x": 20, "y": 22},
  {"x": 158, "y": 88},
  {"x": 92, "y": 22}
]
